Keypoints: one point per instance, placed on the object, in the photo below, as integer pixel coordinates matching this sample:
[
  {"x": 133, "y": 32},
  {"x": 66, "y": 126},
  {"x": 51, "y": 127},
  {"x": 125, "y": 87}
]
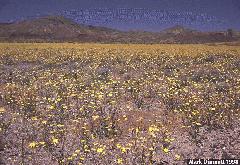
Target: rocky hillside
[{"x": 60, "y": 29}]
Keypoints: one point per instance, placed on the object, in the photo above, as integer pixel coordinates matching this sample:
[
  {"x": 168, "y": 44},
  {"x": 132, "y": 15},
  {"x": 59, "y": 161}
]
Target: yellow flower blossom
[
  {"x": 120, "y": 161},
  {"x": 177, "y": 157},
  {"x": 60, "y": 125},
  {"x": 2, "y": 110},
  {"x": 137, "y": 130},
  {"x": 55, "y": 140},
  {"x": 153, "y": 128},
  {"x": 34, "y": 118},
  {"x": 100, "y": 150},
  {"x": 51, "y": 107},
  {"x": 166, "y": 150},
  {"x": 118, "y": 145},
  {"x": 151, "y": 149},
  {"x": 42, "y": 143},
  {"x": 100, "y": 96},
  {"x": 32, "y": 145},
  {"x": 74, "y": 155},
  {"x": 95, "y": 117},
  {"x": 123, "y": 149}
]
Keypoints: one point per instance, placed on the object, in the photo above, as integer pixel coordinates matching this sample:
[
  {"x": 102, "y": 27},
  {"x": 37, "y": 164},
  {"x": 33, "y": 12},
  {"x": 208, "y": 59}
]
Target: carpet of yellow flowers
[{"x": 98, "y": 104}]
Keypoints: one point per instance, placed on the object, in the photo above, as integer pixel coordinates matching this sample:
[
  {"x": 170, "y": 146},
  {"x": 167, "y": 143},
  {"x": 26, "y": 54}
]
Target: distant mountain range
[
  {"x": 60, "y": 29},
  {"x": 141, "y": 18}
]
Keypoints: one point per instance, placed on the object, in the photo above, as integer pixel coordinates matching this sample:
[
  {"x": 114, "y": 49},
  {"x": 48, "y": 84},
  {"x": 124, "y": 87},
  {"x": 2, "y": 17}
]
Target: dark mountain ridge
[{"x": 60, "y": 29}]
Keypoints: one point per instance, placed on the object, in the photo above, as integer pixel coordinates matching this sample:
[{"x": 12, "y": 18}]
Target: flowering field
[{"x": 118, "y": 104}]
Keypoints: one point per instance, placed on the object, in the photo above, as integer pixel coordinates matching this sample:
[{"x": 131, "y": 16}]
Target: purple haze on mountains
[{"x": 149, "y": 15}]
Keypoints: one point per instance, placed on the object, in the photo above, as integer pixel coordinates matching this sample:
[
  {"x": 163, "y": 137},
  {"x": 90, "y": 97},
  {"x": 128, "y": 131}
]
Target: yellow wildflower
[
  {"x": 177, "y": 157},
  {"x": 34, "y": 118},
  {"x": 74, "y": 155},
  {"x": 32, "y": 144},
  {"x": 42, "y": 143},
  {"x": 100, "y": 96},
  {"x": 55, "y": 140},
  {"x": 51, "y": 107},
  {"x": 153, "y": 128},
  {"x": 100, "y": 150},
  {"x": 2, "y": 110},
  {"x": 123, "y": 149},
  {"x": 120, "y": 161},
  {"x": 95, "y": 117},
  {"x": 137, "y": 130},
  {"x": 60, "y": 125},
  {"x": 151, "y": 149},
  {"x": 118, "y": 145},
  {"x": 199, "y": 124},
  {"x": 44, "y": 122},
  {"x": 166, "y": 150}
]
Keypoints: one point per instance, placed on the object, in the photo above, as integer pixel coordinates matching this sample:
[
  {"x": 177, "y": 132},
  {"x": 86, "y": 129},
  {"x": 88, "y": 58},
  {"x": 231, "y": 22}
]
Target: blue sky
[{"x": 223, "y": 13}]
